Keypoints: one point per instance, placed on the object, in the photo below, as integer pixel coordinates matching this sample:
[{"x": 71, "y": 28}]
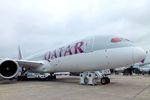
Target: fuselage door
[{"x": 89, "y": 45}]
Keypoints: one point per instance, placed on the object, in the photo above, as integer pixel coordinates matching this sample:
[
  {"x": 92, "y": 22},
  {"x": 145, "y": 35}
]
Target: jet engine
[{"x": 9, "y": 69}]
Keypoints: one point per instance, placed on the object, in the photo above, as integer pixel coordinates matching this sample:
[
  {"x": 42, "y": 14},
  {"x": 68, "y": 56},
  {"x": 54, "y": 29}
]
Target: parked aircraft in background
[
  {"x": 89, "y": 54},
  {"x": 143, "y": 66}
]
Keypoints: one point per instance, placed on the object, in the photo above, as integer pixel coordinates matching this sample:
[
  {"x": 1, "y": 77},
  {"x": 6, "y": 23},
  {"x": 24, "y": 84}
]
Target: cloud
[{"x": 42, "y": 24}]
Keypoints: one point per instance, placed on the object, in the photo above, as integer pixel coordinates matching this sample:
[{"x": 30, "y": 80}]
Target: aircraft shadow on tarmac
[{"x": 59, "y": 80}]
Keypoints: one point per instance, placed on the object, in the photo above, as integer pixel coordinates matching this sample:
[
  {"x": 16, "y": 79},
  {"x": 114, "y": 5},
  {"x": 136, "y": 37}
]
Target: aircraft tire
[
  {"x": 54, "y": 77},
  {"x": 104, "y": 81},
  {"x": 108, "y": 80},
  {"x": 51, "y": 77}
]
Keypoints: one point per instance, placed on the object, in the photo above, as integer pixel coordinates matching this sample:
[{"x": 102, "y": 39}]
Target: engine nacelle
[{"x": 9, "y": 69}]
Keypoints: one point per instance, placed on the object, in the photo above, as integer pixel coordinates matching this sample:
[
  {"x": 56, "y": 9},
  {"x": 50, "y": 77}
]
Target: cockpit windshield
[{"x": 116, "y": 40}]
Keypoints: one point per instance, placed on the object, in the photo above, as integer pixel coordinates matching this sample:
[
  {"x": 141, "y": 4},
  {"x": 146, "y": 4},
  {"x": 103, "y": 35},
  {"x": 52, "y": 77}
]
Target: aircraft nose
[{"x": 138, "y": 54}]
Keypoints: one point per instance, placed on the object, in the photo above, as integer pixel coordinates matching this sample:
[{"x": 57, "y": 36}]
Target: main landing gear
[
  {"x": 23, "y": 75},
  {"x": 93, "y": 78},
  {"x": 51, "y": 77}
]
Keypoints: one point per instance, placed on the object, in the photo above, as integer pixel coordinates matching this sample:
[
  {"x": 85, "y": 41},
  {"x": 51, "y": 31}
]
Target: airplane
[
  {"x": 88, "y": 54},
  {"x": 144, "y": 65}
]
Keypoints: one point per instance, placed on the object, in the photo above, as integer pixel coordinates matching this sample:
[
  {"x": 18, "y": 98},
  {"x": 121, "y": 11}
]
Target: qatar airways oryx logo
[{"x": 65, "y": 51}]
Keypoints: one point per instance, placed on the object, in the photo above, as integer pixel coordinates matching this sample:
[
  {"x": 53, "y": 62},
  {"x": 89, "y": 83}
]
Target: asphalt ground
[{"x": 68, "y": 88}]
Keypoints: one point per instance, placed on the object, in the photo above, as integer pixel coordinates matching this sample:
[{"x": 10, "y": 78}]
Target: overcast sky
[{"x": 40, "y": 24}]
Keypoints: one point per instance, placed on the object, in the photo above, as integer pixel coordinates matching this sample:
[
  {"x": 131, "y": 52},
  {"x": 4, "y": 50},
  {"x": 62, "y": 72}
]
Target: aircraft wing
[{"x": 29, "y": 64}]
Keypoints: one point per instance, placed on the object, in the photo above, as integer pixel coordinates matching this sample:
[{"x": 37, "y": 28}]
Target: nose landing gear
[
  {"x": 93, "y": 78},
  {"x": 105, "y": 80}
]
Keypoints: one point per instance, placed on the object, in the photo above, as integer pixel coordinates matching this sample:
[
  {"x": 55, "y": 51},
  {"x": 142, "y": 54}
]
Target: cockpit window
[
  {"x": 128, "y": 40},
  {"x": 114, "y": 40},
  {"x": 109, "y": 42}
]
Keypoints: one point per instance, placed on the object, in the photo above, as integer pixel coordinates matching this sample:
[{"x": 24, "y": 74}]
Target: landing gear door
[{"x": 88, "y": 45}]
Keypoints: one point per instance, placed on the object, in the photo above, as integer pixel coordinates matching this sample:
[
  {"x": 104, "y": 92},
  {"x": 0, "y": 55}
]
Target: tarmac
[{"x": 68, "y": 88}]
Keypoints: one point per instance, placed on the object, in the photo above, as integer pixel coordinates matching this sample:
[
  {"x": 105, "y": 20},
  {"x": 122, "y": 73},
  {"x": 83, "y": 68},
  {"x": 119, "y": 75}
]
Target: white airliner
[{"x": 89, "y": 54}]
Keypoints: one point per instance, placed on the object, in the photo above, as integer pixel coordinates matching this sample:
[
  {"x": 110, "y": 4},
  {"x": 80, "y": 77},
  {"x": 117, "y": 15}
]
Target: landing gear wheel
[
  {"x": 108, "y": 80},
  {"x": 104, "y": 81},
  {"x": 51, "y": 77}
]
